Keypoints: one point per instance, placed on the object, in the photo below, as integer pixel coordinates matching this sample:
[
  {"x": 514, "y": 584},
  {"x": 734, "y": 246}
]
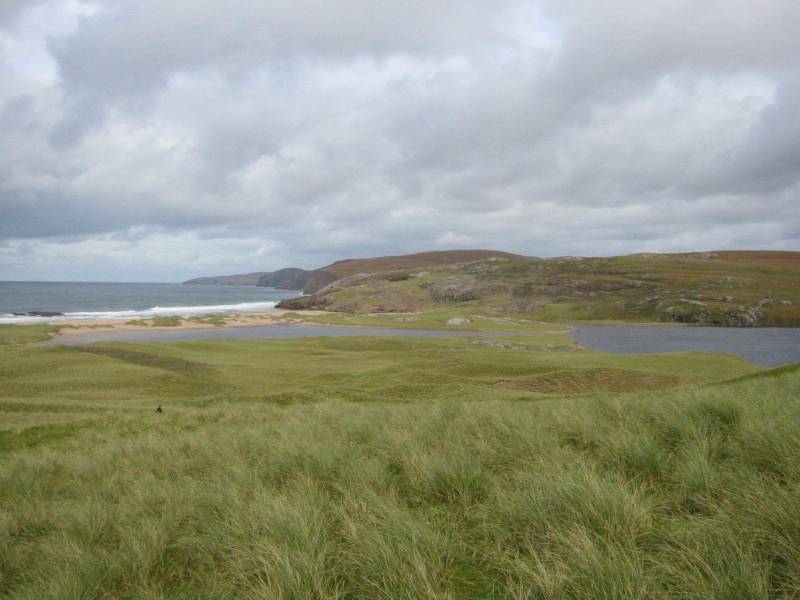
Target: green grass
[
  {"x": 770, "y": 373},
  {"x": 217, "y": 319},
  {"x": 461, "y": 318},
  {"x": 138, "y": 323},
  {"x": 24, "y": 334},
  {"x": 171, "y": 321},
  {"x": 395, "y": 468},
  {"x": 168, "y": 321}
]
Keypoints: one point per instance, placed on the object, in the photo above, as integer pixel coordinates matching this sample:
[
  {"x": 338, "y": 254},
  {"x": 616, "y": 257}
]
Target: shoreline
[
  {"x": 756, "y": 345},
  {"x": 78, "y": 327},
  {"x": 84, "y": 330}
]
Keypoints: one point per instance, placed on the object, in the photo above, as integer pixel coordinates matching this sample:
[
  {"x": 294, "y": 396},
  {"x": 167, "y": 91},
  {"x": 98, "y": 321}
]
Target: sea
[{"x": 24, "y": 302}]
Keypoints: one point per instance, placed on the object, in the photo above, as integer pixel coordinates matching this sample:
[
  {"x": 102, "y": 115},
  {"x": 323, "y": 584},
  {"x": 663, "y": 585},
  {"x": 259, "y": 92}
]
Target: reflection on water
[{"x": 770, "y": 346}]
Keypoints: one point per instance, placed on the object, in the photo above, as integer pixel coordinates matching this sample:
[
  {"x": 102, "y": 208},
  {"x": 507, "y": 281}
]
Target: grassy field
[
  {"x": 14, "y": 334},
  {"x": 460, "y": 318},
  {"x": 455, "y": 318},
  {"x": 515, "y": 467}
]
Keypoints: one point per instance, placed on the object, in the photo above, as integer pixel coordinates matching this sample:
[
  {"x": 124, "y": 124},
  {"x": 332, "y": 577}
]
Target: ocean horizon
[{"x": 25, "y": 302}]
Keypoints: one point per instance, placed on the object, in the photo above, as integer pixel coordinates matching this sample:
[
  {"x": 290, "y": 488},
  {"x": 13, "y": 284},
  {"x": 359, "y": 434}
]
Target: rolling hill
[
  {"x": 729, "y": 288},
  {"x": 313, "y": 281},
  {"x": 420, "y": 260}
]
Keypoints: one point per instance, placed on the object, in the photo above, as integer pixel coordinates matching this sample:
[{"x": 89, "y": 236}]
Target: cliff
[
  {"x": 286, "y": 279},
  {"x": 243, "y": 279}
]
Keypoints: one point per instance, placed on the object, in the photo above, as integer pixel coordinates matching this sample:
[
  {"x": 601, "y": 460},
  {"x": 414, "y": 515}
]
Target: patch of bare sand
[{"x": 273, "y": 317}]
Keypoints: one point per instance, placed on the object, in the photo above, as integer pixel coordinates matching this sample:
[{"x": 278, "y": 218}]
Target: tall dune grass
[{"x": 690, "y": 493}]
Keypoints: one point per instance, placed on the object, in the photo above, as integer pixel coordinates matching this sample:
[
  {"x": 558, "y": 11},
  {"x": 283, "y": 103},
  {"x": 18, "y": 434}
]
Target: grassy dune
[{"x": 395, "y": 468}]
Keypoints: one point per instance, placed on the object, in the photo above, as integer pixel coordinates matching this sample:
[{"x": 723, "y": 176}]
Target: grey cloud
[
  {"x": 132, "y": 48},
  {"x": 543, "y": 128},
  {"x": 613, "y": 39},
  {"x": 10, "y": 10},
  {"x": 769, "y": 159}
]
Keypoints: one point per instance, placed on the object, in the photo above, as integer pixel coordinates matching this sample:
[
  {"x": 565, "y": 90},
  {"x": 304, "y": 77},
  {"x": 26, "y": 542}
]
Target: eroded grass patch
[{"x": 174, "y": 365}]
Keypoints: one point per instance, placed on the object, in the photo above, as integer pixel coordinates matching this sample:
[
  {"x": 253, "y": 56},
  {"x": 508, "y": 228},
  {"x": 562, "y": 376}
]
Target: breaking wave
[{"x": 155, "y": 311}]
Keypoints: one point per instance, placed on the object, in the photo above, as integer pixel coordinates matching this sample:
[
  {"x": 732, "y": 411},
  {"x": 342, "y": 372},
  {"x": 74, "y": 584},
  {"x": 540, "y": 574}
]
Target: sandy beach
[{"x": 79, "y": 327}]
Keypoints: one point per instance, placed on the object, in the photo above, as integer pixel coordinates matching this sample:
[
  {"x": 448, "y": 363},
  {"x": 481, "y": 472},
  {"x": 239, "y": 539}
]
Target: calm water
[
  {"x": 128, "y": 300},
  {"x": 763, "y": 346},
  {"x": 767, "y": 346}
]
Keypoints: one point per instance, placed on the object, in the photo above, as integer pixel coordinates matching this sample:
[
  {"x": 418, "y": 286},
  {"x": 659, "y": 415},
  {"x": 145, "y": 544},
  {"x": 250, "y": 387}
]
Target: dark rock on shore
[
  {"x": 304, "y": 303},
  {"x": 39, "y": 313}
]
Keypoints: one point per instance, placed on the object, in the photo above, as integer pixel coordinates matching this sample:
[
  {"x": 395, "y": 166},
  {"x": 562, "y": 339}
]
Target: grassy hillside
[
  {"x": 15, "y": 334},
  {"x": 420, "y": 260},
  {"x": 313, "y": 281},
  {"x": 395, "y": 468},
  {"x": 713, "y": 288},
  {"x": 268, "y": 476}
]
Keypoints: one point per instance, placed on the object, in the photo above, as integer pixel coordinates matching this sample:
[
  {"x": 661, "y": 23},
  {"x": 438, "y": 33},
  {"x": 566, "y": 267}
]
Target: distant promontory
[
  {"x": 311, "y": 282},
  {"x": 745, "y": 288}
]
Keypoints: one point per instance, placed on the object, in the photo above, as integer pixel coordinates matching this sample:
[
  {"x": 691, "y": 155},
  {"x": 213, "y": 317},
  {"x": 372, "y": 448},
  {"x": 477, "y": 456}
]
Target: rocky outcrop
[
  {"x": 318, "y": 280},
  {"x": 304, "y": 303},
  {"x": 743, "y": 316},
  {"x": 451, "y": 292}
]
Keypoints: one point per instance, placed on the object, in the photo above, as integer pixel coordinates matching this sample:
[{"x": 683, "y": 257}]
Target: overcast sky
[{"x": 151, "y": 140}]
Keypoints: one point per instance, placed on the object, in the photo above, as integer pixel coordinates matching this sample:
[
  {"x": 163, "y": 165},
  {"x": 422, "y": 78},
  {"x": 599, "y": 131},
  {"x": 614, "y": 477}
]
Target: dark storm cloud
[{"x": 179, "y": 138}]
